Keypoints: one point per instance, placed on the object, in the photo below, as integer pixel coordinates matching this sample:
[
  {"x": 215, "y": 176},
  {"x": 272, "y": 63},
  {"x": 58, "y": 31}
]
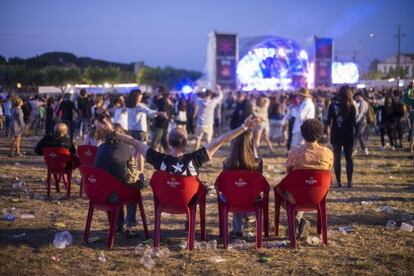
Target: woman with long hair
[
  {"x": 341, "y": 119},
  {"x": 242, "y": 157},
  {"x": 17, "y": 125},
  {"x": 261, "y": 109}
]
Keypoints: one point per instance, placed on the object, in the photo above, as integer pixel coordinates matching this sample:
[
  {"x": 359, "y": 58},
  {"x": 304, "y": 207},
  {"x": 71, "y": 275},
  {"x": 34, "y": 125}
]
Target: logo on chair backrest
[
  {"x": 311, "y": 181},
  {"x": 240, "y": 182},
  {"x": 88, "y": 153},
  {"x": 91, "y": 179},
  {"x": 173, "y": 183},
  {"x": 52, "y": 154}
]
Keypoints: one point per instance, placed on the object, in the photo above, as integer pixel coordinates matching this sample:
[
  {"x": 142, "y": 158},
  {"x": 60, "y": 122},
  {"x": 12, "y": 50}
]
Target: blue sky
[{"x": 175, "y": 32}]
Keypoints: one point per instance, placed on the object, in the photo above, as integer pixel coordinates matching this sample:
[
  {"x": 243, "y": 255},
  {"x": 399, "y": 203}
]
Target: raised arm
[
  {"x": 139, "y": 147},
  {"x": 214, "y": 145}
]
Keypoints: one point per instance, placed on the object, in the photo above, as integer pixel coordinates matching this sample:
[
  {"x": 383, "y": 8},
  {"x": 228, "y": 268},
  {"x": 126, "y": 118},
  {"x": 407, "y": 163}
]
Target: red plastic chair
[
  {"x": 241, "y": 191},
  {"x": 87, "y": 154},
  {"x": 175, "y": 194},
  {"x": 58, "y": 164},
  {"x": 99, "y": 187},
  {"x": 303, "y": 190}
]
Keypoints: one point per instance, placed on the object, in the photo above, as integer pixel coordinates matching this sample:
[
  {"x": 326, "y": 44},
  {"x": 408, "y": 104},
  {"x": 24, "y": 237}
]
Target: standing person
[
  {"x": 399, "y": 114},
  {"x": 137, "y": 120},
  {"x": 386, "y": 114},
  {"x": 290, "y": 118},
  {"x": 261, "y": 109},
  {"x": 361, "y": 122},
  {"x": 205, "y": 115},
  {"x": 17, "y": 125},
  {"x": 1, "y": 115},
  {"x": 120, "y": 113},
  {"x": 181, "y": 114},
  {"x": 85, "y": 111},
  {"x": 7, "y": 105},
  {"x": 67, "y": 109},
  {"x": 276, "y": 121},
  {"x": 163, "y": 104},
  {"x": 50, "y": 118},
  {"x": 408, "y": 99},
  {"x": 190, "y": 115},
  {"x": 35, "y": 120},
  {"x": 27, "y": 111},
  {"x": 306, "y": 111},
  {"x": 341, "y": 119},
  {"x": 241, "y": 110}
]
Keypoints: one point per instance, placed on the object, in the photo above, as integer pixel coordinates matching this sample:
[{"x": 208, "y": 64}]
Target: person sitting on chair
[
  {"x": 59, "y": 139},
  {"x": 242, "y": 157},
  {"x": 309, "y": 156},
  {"x": 118, "y": 159}
]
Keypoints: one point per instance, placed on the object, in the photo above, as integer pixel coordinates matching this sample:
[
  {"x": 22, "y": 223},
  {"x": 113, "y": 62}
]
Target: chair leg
[
  {"x": 291, "y": 224},
  {"x": 259, "y": 225},
  {"x": 48, "y": 180},
  {"x": 112, "y": 227},
  {"x": 88, "y": 222},
  {"x": 81, "y": 187},
  {"x": 57, "y": 180},
  {"x": 69, "y": 183},
  {"x": 157, "y": 224},
  {"x": 143, "y": 217},
  {"x": 202, "y": 205},
  {"x": 220, "y": 213},
  {"x": 318, "y": 222},
  {"x": 324, "y": 222},
  {"x": 225, "y": 224},
  {"x": 277, "y": 215},
  {"x": 191, "y": 227},
  {"x": 266, "y": 217}
]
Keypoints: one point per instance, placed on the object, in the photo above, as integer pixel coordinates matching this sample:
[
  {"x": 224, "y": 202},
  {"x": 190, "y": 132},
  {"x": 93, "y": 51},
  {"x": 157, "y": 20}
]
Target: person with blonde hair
[
  {"x": 17, "y": 125},
  {"x": 261, "y": 109}
]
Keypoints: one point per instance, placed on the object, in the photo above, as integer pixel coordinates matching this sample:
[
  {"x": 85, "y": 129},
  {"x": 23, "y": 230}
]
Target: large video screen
[{"x": 344, "y": 72}]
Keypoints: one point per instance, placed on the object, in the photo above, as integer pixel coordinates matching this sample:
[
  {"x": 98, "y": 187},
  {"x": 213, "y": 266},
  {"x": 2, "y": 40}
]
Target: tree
[
  {"x": 60, "y": 76},
  {"x": 97, "y": 75},
  {"x": 167, "y": 76}
]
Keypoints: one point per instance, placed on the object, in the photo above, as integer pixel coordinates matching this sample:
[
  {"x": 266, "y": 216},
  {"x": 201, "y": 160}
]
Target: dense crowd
[{"x": 137, "y": 127}]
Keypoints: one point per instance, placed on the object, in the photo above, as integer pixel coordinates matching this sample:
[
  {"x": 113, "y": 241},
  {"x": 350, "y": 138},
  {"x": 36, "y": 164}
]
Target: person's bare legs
[
  {"x": 18, "y": 139},
  {"x": 267, "y": 139},
  {"x": 257, "y": 137}
]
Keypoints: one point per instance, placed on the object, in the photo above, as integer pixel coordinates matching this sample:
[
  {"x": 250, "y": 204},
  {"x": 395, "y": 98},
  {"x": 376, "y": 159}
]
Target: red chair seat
[
  {"x": 177, "y": 194},
  {"x": 243, "y": 191},
  {"x": 58, "y": 161},
  {"x": 99, "y": 186},
  {"x": 303, "y": 190}
]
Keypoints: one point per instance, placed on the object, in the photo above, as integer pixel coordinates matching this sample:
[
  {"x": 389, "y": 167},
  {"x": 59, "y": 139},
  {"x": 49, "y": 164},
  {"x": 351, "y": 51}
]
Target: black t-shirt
[
  {"x": 342, "y": 132},
  {"x": 67, "y": 107},
  {"x": 85, "y": 107},
  {"x": 162, "y": 105},
  {"x": 188, "y": 164},
  {"x": 113, "y": 158},
  {"x": 55, "y": 142}
]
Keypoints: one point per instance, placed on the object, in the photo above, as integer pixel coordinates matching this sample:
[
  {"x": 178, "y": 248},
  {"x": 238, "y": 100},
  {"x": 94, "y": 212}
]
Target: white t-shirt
[
  {"x": 306, "y": 111},
  {"x": 121, "y": 117},
  {"x": 137, "y": 117}
]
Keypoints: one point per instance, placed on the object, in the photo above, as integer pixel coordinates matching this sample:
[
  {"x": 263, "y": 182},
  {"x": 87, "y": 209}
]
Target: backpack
[{"x": 370, "y": 115}]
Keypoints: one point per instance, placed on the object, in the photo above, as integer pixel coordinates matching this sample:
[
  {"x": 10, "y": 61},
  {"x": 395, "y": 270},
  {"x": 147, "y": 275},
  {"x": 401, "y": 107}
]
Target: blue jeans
[
  {"x": 130, "y": 219},
  {"x": 237, "y": 224}
]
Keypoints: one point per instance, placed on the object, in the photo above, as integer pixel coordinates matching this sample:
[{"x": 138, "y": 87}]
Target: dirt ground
[{"x": 384, "y": 177}]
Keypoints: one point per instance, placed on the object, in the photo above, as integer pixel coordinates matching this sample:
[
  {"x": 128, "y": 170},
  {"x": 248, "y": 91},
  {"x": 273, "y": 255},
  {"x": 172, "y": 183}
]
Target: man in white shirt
[
  {"x": 306, "y": 111},
  {"x": 205, "y": 115}
]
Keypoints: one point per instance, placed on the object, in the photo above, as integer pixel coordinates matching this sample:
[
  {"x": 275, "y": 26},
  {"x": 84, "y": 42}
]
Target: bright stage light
[
  {"x": 186, "y": 89},
  {"x": 344, "y": 72},
  {"x": 274, "y": 64}
]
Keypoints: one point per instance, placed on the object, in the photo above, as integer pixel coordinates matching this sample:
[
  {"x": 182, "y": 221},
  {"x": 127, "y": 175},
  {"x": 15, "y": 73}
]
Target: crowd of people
[{"x": 136, "y": 128}]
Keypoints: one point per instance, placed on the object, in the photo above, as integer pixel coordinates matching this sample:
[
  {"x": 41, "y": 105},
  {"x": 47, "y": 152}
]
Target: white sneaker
[{"x": 366, "y": 152}]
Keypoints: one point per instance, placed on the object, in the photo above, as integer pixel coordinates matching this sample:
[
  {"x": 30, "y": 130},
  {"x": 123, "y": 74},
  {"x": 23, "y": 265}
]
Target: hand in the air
[{"x": 252, "y": 121}]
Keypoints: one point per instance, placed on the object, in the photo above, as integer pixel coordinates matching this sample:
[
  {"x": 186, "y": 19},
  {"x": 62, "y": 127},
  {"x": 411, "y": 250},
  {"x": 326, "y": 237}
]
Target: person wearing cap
[{"x": 306, "y": 111}]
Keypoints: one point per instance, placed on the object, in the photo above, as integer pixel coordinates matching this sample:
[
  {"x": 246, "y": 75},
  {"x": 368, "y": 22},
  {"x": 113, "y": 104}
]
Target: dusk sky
[{"x": 176, "y": 32}]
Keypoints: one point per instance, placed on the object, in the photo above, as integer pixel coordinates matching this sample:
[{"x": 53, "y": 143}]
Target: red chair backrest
[
  {"x": 87, "y": 154},
  {"x": 306, "y": 188},
  {"x": 174, "y": 192},
  {"x": 100, "y": 185},
  {"x": 242, "y": 188},
  {"x": 56, "y": 158}
]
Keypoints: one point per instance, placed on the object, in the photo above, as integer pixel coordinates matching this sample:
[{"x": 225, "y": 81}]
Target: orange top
[{"x": 310, "y": 156}]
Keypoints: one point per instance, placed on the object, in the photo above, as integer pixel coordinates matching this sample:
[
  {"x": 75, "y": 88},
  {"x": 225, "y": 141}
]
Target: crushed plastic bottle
[
  {"x": 102, "y": 257},
  {"x": 277, "y": 244},
  {"x": 62, "y": 239},
  {"x": 385, "y": 209},
  {"x": 212, "y": 245},
  {"x": 8, "y": 217},
  {"x": 313, "y": 241},
  {"x": 346, "y": 229},
  {"x": 160, "y": 252},
  {"x": 16, "y": 164},
  {"x": 18, "y": 185},
  {"x": 406, "y": 227},
  {"x": 202, "y": 246},
  {"x": 391, "y": 224},
  {"x": 147, "y": 261},
  {"x": 182, "y": 245},
  {"x": 238, "y": 245},
  {"x": 217, "y": 259},
  {"x": 250, "y": 235},
  {"x": 27, "y": 216},
  {"x": 406, "y": 217},
  {"x": 366, "y": 203},
  {"x": 142, "y": 249}
]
